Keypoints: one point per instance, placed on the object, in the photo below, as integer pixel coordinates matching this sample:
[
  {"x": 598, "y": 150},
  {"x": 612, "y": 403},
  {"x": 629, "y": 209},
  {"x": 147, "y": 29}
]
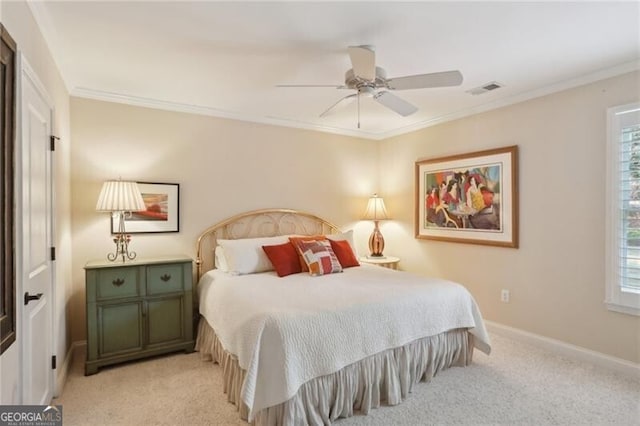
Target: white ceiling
[{"x": 224, "y": 59}]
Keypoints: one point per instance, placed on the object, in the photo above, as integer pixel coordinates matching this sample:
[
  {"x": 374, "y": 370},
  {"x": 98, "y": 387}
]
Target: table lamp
[
  {"x": 376, "y": 211},
  {"x": 120, "y": 198}
]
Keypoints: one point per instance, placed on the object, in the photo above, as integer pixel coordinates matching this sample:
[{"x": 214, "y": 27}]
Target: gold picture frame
[{"x": 468, "y": 198}]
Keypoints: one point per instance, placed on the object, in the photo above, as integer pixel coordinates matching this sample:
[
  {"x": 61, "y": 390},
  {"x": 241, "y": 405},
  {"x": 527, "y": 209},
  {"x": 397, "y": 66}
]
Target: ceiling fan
[{"x": 371, "y": 81}]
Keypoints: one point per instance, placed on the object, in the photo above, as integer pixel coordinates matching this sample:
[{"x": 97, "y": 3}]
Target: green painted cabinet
[{"x": 138, "y": 309}]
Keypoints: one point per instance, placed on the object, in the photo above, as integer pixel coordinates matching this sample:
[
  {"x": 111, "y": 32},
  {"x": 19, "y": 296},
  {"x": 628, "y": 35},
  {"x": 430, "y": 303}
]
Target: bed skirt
[{"x": 388, "y": 377}]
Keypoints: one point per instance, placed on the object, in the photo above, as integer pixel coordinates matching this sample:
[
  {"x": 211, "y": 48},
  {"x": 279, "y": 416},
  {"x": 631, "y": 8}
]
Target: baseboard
[
  {"x": 571, "y": 351},
  {"x": 79, "y": 348},
  {"x": 63, "y": 370}
]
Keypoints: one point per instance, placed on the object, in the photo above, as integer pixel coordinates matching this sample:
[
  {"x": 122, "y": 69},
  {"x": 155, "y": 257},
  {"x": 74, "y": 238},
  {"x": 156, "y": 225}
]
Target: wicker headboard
[{"x": 254, "y": 224}]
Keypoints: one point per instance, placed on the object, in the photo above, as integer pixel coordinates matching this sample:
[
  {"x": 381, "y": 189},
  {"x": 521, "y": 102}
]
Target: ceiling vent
[{"x": 493, "y": 85}]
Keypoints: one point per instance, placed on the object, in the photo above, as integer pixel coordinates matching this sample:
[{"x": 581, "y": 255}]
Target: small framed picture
[
  {"x": 469, "y": 198},
  {"x": 162, "y": 214}
]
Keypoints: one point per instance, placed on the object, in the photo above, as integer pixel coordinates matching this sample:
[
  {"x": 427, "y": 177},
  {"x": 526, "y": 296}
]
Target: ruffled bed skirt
[{"x": 388, "y": 377}]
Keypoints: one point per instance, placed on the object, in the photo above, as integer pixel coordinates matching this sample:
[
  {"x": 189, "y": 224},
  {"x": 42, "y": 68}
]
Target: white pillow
[
  {"x": 221, "y": 261},
  {"x": 246, "y": 256},
  {"x": 345, "y": 236}
]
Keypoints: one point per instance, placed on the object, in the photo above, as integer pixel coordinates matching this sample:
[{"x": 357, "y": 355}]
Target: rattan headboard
[{"x": 254, "y": 224}]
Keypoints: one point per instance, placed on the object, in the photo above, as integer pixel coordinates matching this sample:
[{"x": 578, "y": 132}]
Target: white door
[{"x": 36, "y": 265}]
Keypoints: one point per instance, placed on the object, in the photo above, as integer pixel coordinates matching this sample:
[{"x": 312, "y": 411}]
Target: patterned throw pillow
[
  {"x": 295, "y": 240},
  {"x": 319, "y": 257}
]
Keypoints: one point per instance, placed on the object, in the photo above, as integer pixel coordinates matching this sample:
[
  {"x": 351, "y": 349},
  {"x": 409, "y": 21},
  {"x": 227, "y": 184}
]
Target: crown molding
[
  {"x": 277, "y": 121},
  {"x": 511, "y": 100},
  {"x": 83, "y": 92}
]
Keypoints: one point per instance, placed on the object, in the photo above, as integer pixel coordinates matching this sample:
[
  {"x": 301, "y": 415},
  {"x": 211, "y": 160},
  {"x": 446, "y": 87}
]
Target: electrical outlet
[{"x": 504, "y": 296}]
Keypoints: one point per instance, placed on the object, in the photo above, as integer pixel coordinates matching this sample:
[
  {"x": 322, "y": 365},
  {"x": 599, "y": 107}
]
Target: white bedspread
[{"x": 287, "y": 331}]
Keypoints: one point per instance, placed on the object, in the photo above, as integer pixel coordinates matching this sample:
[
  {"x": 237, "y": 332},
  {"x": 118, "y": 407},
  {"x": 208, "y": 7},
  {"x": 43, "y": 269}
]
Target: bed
[{"x": 310, "y": 348}]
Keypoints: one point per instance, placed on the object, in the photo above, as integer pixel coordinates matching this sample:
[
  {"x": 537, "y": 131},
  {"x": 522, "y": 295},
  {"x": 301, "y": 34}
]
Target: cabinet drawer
[
  {"x": 165, "y": 279},
  {"x": 117, "y": 283}
]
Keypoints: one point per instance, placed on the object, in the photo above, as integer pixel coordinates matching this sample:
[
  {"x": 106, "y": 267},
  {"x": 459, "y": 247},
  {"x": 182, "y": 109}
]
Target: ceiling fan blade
[
  {"x": 339, "y": 105},
  {"x": 424, "y": 81},
  {"x": 395, "y": 103},
  {"x": 312, "y": 85},
  {"x": 363, "y": 61}
]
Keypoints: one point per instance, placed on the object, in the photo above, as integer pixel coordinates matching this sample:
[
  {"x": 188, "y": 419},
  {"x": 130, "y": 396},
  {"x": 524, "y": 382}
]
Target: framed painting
[
  {"x": 469, "y": 198},
  {"x": 162, "y": 201}
]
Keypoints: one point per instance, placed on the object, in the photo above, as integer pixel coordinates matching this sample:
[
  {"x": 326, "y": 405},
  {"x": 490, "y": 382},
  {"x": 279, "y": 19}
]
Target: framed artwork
[
  {"x": 469, "y": 198},
  {"x": 162, "y": 214}
]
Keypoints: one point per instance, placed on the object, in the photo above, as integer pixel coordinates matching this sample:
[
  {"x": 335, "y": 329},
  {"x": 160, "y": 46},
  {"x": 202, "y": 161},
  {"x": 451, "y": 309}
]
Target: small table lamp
[
  {"x": 120, "y": 198},
  {"x": 376, "y": 211}
]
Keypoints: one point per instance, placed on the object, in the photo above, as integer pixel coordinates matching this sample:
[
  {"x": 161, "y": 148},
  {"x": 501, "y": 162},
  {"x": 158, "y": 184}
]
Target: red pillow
[
  {"x": 284, "y": 258},
  {"x": 344, "y": 253}
]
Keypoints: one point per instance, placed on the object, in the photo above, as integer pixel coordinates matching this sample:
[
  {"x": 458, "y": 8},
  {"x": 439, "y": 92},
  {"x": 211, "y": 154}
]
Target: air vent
[{"x": 493, "y": 85}]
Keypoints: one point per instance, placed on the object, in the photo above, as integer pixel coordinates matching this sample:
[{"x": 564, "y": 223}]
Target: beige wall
[
  {"x": 556, "y": 277},
  {"x": 224, "y": 167},
  {"x": 18, "y": 20}
]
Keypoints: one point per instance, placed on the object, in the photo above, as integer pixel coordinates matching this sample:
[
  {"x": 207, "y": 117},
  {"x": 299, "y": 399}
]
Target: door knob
[{"x": 28, "y": 297}]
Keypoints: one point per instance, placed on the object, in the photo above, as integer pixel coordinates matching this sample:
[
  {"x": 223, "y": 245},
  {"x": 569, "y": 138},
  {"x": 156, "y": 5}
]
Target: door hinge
[
  {"x": 53, "y": 362},
  {"x": 53, "y": 253},
  {"x": 53, "y": 142}
]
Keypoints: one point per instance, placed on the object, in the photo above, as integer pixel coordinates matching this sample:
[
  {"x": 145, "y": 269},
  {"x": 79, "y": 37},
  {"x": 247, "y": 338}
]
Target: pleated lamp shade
[
  {"x": 376, "y": 209},
  {"x": 120, "y": 196}
]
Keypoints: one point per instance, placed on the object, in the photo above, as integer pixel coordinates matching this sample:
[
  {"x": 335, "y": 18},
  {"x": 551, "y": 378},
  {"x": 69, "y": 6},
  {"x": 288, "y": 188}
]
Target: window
[
  {"x": 623, "y": 209},
  {"x": 7, "y": 231}
]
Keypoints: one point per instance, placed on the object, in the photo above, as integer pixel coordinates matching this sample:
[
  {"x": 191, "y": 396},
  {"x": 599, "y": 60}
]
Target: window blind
[{"x": 629, "y": 202}]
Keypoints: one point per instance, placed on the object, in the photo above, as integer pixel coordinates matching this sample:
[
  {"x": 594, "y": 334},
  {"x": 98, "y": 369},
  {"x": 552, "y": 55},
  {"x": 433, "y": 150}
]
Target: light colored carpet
[{"x": 517, "y": 384}]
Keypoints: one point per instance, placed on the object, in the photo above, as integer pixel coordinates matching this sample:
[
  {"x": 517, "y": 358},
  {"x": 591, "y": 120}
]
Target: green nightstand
[{"x": 138, "y": 309}]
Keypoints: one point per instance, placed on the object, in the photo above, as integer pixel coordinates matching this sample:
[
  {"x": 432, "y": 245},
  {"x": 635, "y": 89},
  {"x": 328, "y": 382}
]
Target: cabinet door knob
[
  {"x": 165, "y": 277},
  {"x": 118, "y": 282}
]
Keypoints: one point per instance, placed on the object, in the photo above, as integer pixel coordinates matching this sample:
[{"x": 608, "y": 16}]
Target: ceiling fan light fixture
[{"x": 367, "y": 91}]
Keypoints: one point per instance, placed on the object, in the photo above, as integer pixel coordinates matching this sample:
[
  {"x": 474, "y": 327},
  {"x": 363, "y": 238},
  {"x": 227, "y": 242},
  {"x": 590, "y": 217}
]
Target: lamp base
[
  {"x": 122, "y": 241},
  {"x": 376, "y": 242}
]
